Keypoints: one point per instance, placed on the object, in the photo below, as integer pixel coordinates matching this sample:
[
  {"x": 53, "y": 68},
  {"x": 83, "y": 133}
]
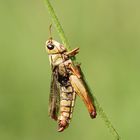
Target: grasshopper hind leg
[{"x": 81, "y": 90}]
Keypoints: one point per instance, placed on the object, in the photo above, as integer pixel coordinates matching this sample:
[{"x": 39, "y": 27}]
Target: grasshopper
[{"x": 66, "y": 83}]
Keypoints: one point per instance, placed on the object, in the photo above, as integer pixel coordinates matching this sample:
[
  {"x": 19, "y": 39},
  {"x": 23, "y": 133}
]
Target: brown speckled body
[
  {"x": 67, "y": 94},
  {"x": 60, "y": 64},
  {"x": 67, "y": 100},
  {"x": 68, "y": 82}
]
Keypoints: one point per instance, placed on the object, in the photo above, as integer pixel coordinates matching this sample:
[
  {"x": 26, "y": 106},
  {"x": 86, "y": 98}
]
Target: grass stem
[
  {"x": 58, "y": 25},
  {"x": 64, "y": 40}
]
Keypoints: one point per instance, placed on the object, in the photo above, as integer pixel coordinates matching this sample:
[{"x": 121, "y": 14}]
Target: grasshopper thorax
[{"x": 54, "y": 47}]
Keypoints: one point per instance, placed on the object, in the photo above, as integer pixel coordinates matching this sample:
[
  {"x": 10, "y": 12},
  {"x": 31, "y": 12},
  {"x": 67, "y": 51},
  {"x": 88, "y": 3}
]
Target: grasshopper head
[{"x": 54, "y": 47}]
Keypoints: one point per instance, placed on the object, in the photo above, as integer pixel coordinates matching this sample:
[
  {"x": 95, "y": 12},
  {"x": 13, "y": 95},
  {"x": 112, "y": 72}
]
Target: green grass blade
[
  {"x": 64, "y": 40},
  {"x": 57, "y": 25}
]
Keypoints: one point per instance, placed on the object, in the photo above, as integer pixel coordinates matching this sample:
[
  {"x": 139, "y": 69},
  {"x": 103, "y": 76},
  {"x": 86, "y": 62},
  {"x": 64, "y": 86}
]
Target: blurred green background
[{"x": 108, "y": 34}]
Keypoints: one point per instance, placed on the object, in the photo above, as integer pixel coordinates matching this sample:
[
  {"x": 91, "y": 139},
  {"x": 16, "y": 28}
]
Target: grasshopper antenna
[{"x": 50, "y": 32}]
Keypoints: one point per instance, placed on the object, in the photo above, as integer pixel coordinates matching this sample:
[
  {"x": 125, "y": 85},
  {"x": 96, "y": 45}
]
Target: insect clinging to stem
[{"x": 66, "y": 83}]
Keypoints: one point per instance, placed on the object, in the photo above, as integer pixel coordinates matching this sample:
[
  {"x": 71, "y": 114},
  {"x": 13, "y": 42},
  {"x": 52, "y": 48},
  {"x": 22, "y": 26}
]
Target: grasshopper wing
[
  {"x": 82, "y": 91},
  {"x": 54, "y": 97}
]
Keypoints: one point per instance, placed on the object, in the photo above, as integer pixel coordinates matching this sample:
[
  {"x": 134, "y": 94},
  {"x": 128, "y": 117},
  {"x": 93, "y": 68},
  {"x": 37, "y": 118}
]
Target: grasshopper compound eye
[{"x": 50, "y": 46}]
